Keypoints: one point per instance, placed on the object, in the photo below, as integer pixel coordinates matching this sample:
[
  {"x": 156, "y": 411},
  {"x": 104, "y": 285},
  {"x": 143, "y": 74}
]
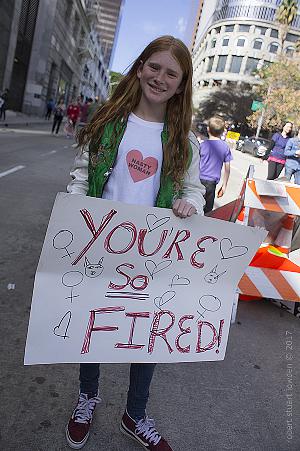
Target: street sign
[
  {"x": 233, "y": 135},
  {"x": 256, "y": 105}
]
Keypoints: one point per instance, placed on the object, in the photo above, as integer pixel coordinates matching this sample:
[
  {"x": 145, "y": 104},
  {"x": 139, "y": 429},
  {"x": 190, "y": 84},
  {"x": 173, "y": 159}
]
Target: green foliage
[
  {"x": 280, "y": 93},
  {"x": 233, "y": 103},
  {"x": 287, "y": 12},
  {"x": 114, "y": 79}
]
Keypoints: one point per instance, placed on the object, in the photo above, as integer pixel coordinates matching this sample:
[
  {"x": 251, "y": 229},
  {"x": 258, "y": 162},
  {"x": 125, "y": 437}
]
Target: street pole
[{"x": 262, "y": 114}]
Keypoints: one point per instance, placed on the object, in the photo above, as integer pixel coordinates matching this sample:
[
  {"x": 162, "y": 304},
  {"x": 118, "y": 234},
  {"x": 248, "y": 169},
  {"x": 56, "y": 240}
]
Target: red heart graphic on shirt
[{"x": 140, "y": 168}]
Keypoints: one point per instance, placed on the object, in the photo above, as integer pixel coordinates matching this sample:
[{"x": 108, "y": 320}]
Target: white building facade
[{"x": 233, "y": 38}]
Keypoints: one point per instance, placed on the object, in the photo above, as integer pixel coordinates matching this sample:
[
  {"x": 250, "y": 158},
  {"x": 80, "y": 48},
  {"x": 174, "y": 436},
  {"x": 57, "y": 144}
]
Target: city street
[{"x": 239, "y": 404}]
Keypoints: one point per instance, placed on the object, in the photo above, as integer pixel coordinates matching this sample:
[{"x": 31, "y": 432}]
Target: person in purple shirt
[
  {"x": 213, "y": 154},
  {"x": 275, "y": 154}
]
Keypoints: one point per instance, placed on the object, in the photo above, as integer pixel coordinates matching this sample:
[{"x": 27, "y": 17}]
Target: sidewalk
[{"x": 15, "y": 119}]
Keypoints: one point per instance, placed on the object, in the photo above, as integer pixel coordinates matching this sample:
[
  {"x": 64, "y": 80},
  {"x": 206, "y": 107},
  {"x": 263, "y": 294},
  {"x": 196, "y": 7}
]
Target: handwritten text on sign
[{"x": 124, "y": 283}]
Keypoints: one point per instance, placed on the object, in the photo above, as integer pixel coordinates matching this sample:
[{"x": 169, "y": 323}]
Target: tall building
[
  {"x": 108, "y": 25},
  {"x": 232, "y": 38},
  {"x": 53, "y": 49}
]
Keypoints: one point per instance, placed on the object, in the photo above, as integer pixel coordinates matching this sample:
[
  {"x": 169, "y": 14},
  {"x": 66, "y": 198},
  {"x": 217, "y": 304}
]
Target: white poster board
[{"x": 125, "y": 283}]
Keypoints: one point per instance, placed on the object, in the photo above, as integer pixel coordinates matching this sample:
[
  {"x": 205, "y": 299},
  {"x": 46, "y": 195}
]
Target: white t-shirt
[{"x": 135, "y": 178}]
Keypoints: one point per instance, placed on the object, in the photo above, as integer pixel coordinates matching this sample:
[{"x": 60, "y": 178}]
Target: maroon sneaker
[
  {"x": 78, "y": 428},
  {"x": 144, "y": 432}
]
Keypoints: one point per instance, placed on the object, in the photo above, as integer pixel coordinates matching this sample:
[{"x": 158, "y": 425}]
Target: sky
[{"x": 144, "y": 20}]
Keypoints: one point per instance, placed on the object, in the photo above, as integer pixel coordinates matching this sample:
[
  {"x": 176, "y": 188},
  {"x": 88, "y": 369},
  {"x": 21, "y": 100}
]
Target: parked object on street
[{"x": 254, "y": 146}]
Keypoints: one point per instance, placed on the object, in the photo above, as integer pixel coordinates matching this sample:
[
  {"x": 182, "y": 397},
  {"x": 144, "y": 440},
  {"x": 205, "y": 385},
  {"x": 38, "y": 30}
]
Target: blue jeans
[
  {"x": 138, "y": 393},
  {"x": 290, "y": 171}
]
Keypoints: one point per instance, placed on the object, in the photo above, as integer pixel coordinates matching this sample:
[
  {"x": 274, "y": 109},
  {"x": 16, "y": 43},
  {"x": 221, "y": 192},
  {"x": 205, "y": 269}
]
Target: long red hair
[{"x": 127, "y": 95}]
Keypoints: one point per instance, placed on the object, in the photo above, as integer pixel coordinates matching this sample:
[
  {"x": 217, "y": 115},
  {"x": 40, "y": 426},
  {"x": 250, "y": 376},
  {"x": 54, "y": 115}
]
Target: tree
[
  {"x": 280, "y": 93},
  {"x": 114, "y": 79},
  {"x": 285, "y": 15},
  {"x": 233, "y": 103}
]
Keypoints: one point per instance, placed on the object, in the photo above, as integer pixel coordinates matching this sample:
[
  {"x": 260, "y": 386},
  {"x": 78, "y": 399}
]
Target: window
[
  {"x": 273, "y": 48},
  {"x": 225, "y": 42},
  {"x": 218, "y": 29},
  {"x": 289, "y": 51},
  {"x": 241, "y": 41},
  {"x": 235, "y": 65},
  {"x": 257, "y": 44},
  {"x": 291, "y": 37},
  {"x": 86, "y": 71},
  {"x": 244, "y": 28},
  {"x": 251, "y": 65},
  {"x": 210, "y": 63},
  {"x": 213, "y": 43},
  {"x": 274, "y": 33},
  {"x": 221, "y": 63},
  {"x": 76, "y": 25},
  {"x": 229, "y": 28},
  {"x": 68, "y": 10},
  {"x": 262, "y": 30}
]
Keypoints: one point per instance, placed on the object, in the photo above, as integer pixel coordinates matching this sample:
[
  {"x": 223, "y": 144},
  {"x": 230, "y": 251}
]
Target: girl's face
[
  {"x": 160, "y": 77},
  {"x": 287, "y": 128}
]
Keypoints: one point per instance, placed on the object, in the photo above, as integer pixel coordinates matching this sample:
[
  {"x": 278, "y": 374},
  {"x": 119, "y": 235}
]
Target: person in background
[
  {"x": 73, "y": 113},
  {"x": 59, "y": 112},
  {"x": 83, "y": 120},
  {"x": 201, "y": 133},
  {"x": 275, "y": 154},
  {"x": 213, "y": 154},
  {"x": 292, "y": 162},
  {"x": 3, "y": 103},
  {"x": 93, "y": 107},
  {"x": 50, "y": 107}
]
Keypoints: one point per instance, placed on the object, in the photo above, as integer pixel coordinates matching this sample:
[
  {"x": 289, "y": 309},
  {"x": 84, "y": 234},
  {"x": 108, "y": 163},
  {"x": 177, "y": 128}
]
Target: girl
[
  {"x": 275, "y": 155},
  {"x": 147, "y": 117}
]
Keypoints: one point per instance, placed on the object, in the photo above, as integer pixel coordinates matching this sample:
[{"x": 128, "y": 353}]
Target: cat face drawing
[
  {"x": 93, "y": 269},
  {"x": 212, "y": 276}
]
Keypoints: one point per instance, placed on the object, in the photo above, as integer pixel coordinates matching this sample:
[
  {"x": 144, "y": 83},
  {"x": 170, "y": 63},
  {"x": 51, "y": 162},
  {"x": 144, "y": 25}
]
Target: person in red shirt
[{"x": 73, "y": 112}]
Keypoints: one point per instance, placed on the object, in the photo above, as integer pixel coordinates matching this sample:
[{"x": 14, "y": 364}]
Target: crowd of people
[
  {"x": 78, "y": 113},
  {"x": 284, "y": 152}
]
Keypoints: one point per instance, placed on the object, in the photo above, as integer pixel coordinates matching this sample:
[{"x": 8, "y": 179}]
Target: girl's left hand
[{"x": 183, "y": 209}]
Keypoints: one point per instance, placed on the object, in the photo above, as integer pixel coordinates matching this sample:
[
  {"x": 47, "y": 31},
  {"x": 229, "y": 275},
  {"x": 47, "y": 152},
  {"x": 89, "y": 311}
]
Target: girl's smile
[{"x": 160, "y": 78}]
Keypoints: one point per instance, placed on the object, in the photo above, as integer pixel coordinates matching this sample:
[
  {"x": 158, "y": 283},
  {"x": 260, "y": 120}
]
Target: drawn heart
[
  {"x": 61, "y": 329},
  {"x": 140, "y": 168},
  {"x": 230, "y": 251},
  {"x": 153, "y": 268},
  {"x": 153, "y": 222},
  {"x": 177, "y": 280},
  {"x": 159, "y": 301}
]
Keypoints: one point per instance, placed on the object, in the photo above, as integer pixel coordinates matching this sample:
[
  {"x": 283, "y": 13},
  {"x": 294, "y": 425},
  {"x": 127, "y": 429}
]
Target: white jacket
[{"x": 193, "y": 191}]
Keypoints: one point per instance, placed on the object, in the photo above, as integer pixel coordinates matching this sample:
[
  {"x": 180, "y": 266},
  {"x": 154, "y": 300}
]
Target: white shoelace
[
  {"x": 146, "y": 427},
  {"x": 85, "y": 408}
]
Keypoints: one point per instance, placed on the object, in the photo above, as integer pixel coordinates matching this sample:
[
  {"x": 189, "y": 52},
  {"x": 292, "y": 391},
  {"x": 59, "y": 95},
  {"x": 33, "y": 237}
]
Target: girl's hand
[
  {"x": 183, "y": 209},
  {"x": 221, "y": 191}
]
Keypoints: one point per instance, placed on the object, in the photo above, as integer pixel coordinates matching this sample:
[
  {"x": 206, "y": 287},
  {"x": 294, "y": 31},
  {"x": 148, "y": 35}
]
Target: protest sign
[{"x": 128, "y": 283}]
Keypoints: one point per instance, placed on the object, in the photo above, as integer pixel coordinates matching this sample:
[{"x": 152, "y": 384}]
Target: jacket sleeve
[
  {"x": 79, "y": 174},
  {"x": 193, "y": 191},
  {"x": 269, "y": 149},
  {"x": 288, "y": 151}
]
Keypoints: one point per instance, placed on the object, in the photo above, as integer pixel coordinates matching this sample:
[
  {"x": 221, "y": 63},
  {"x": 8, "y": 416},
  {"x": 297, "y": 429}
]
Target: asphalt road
[{"x": 239, "y": 404}]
